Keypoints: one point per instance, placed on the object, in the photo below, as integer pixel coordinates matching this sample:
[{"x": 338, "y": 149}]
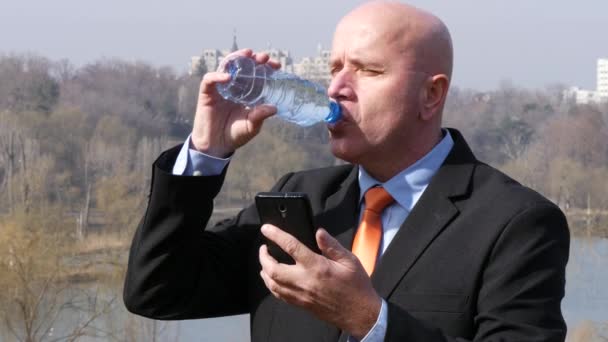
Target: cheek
[
  {"x": 379, "y": 129},
  {"x": 386, "y": 118},
  {"x": 384, "y": 97},
  {"x": 380, "y": 112},
  {"x": 384, "y": 106}
]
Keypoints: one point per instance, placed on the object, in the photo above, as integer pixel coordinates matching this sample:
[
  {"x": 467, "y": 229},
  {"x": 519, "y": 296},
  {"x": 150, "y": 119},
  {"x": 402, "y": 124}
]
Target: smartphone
[{"x": 291, "y": 212}]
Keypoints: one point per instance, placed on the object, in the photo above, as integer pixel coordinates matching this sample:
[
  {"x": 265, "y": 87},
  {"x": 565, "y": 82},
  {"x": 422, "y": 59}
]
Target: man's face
[{"x": 374, "y": 81}]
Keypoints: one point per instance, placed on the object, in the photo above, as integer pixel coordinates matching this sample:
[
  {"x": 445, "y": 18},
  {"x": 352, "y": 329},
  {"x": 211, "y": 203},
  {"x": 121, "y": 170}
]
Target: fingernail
[
  {"x": 265, "y": 229},
  {"x": 321, "y": 231}
]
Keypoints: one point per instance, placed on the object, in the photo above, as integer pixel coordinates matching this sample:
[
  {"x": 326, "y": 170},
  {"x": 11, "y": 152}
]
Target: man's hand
[
  {"x": 333, "y": 286},
  {"x": 221, "y": 126}
]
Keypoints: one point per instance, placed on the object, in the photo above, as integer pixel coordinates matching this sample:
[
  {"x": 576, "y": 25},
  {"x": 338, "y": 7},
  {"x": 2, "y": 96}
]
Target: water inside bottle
[{"x": 297, "y": 100}]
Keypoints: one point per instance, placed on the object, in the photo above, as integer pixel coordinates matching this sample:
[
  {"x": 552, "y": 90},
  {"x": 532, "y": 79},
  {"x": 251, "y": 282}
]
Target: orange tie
[{"x": 369, "y": 234}]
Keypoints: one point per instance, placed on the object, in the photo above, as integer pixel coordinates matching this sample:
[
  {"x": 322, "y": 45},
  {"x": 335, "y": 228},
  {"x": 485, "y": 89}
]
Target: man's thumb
[{"x": 330, "y": 247}]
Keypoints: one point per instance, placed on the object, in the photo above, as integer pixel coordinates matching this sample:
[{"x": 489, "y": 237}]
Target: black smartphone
[{"x": 291, "y": 212}]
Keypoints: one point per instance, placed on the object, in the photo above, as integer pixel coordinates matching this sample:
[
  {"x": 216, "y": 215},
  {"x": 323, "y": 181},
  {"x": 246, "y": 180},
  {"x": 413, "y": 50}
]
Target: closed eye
[
  {"x": 370, "y": 72},
  {"x": 335, "y": 69}
]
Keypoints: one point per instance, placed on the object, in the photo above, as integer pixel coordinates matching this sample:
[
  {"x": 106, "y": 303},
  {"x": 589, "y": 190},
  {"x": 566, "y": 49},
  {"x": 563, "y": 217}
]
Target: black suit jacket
[{"x": 480, "y": 257}]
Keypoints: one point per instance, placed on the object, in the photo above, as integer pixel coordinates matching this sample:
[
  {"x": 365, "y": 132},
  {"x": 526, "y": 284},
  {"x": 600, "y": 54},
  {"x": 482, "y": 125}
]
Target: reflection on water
[
  {"x": 587, "y": 282},
  {"x": 586, "y": 300}
]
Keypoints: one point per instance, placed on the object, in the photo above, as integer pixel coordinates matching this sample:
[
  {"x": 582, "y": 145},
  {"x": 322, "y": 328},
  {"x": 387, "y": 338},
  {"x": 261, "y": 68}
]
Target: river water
[
  {"x": 587, "y": 282},
  {"x": 586, "y": 300}
]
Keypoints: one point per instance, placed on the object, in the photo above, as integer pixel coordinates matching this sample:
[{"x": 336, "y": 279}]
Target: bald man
[{"x": 465, "y": 252}]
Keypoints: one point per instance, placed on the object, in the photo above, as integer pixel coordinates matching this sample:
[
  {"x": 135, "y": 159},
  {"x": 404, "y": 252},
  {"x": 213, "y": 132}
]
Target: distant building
[
  {"x": 600, "y": 94},
  {"x": 312, "y": 68},
  {"x": 315, "y": 68},
  {"x": 283, "y": 57},
  {"x": 213, "y": 57},
  {"x": 583, "y": 96},
  {"x": 602, "y": 78},
  {"x": 210, "y": 57}
]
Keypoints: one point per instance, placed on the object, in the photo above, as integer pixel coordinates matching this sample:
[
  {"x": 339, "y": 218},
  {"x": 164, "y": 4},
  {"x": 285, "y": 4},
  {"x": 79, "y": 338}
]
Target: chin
[{"x": 343, "y": 149}]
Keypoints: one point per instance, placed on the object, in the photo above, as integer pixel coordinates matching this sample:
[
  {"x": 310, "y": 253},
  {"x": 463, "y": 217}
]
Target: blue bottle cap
[{"x": 335, "y": 113}]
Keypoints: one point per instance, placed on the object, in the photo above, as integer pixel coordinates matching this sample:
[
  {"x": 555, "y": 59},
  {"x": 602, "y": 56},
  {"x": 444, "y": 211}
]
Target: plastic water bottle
[{"x": 297, "y": 100}]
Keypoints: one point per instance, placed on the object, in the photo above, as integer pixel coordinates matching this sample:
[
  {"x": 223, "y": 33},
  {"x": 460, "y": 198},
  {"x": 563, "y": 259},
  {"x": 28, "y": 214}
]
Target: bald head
[
  {"x": 418, "y": 35},
  {"x": 391, "y": 66}
]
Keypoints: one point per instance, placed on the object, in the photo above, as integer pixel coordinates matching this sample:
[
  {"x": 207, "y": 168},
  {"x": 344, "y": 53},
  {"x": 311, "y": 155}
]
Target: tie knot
[{"x": 376, "y": 199}]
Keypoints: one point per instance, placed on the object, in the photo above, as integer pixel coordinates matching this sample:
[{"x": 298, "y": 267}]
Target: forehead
[{"x": 367, "y": 38}]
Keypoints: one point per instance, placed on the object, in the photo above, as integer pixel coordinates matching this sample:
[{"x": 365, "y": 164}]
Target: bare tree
[{"x": 37, "y": 291}]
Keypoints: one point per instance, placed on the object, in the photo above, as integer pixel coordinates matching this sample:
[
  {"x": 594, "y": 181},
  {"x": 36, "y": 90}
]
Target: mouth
[
  {"x": 344, "y": 119},
  {"x": 346, "y": 114},
  {"x": 337, "y": 126}
]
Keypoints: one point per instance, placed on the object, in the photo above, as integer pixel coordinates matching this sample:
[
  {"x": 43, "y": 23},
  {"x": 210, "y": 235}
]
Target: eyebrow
[{"x": 357, "y": 61}]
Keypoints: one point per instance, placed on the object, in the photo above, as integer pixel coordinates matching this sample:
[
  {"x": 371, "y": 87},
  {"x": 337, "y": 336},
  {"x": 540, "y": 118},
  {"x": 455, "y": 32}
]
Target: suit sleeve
[
  {"x": 177, "y": 268},
  {"x": 521, "y": 287}
]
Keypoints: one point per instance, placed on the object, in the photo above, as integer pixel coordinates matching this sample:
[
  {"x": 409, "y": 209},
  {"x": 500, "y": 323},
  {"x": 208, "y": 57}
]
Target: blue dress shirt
[{"x": 406, "y": 188}]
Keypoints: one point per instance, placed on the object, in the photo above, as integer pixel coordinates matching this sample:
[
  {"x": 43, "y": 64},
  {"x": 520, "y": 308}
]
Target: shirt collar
[{"x": 407, "y": 186}]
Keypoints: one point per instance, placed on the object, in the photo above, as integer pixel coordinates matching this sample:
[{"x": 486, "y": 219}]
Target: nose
[{"x": 340, "y": 86}]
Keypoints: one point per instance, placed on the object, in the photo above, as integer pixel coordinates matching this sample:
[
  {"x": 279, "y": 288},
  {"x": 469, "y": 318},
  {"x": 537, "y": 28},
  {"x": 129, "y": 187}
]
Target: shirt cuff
[
  {"x": 378, "y": 331},
  {"x": 191, "y": 162}
]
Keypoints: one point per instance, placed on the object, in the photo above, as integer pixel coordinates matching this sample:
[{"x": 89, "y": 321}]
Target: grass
[{"x": 98, "y": 243}]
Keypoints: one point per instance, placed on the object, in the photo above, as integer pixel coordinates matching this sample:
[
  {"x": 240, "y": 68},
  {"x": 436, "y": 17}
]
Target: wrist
[
  {"x": 203, "y": 146},
  {"x": 368, "y": 318}
]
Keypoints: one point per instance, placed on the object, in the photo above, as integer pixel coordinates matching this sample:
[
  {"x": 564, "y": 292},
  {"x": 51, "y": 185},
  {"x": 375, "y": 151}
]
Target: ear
[{"x": 436, "y": 91}]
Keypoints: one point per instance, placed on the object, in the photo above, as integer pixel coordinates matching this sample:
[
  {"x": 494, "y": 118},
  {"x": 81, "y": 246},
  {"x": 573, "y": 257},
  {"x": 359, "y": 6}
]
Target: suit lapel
[
  {"x": 433, "y": 212},
  {"x": 339, "y": 216},
  {"x": 425, "y": 222}
]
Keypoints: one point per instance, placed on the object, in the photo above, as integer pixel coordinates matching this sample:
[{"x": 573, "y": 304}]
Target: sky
[{"x": 529, "y": 43}]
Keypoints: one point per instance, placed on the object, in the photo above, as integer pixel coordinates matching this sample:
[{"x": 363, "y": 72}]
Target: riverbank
[{"x": 93, "y": 271}]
